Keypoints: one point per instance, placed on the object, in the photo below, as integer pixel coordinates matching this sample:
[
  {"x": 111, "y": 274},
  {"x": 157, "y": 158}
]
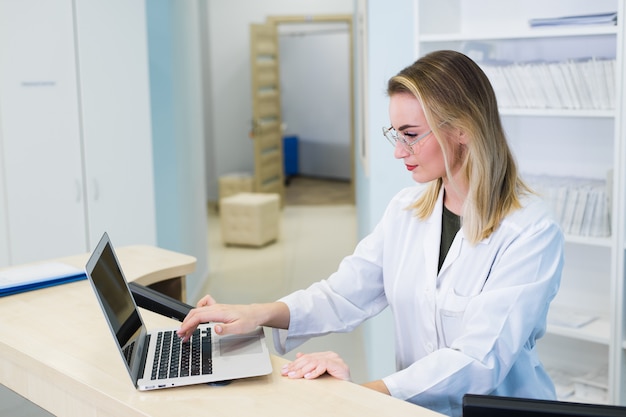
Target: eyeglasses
[{"x": 394, "y": 137}]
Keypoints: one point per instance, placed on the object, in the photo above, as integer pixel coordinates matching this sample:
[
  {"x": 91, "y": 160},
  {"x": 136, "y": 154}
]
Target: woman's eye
[{"x": 410, "y": 135}]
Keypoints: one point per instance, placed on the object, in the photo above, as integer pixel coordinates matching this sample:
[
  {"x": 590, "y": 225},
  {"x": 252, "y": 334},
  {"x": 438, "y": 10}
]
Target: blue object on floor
[{"x": 290, "y": 155}]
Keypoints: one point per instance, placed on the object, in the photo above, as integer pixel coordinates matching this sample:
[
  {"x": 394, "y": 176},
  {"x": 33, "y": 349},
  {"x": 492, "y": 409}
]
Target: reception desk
[{"x": 56, "y": 350}]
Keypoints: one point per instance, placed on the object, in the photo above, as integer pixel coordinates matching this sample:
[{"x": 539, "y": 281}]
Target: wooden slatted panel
[{"x": 267, "y": 133}]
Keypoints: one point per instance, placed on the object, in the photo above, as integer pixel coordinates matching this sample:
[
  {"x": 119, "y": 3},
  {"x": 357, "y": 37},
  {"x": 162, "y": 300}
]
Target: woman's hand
[
  {"x": 234, "y": 319},
  {"x": 313, "y": 365}
]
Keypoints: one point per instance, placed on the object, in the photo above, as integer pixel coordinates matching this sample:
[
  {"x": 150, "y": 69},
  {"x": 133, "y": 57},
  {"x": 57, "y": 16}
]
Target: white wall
[
  {"x": 228, "y": 72},
  {"x": 315, "y": 95},
  {"x": 390, "y": 47},
  {"x": 174, "y": 39}
]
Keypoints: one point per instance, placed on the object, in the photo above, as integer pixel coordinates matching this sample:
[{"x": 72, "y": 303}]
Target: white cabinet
[
  {"x": 74, "y": 127},
  {"x": 585, "y": 347},
  {"x": 115, "y": 102}
]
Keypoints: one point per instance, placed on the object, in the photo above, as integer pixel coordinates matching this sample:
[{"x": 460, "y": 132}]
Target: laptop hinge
[{"x": 144, "y": 355}]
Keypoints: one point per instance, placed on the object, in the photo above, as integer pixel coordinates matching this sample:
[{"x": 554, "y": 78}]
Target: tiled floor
[
  {"x": 313, "y": 240},
  {"x": 302, "y": 190}
]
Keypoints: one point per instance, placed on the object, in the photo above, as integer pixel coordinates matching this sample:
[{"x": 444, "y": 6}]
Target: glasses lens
[
  {"x": 389, "y": 135},
  {"x": 404, "y": 143},
  {"x": 394, "y": 137}
]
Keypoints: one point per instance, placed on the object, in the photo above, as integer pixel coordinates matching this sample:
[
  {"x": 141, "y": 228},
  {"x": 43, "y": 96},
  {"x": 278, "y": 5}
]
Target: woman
[{"x": 468, "y": 260}]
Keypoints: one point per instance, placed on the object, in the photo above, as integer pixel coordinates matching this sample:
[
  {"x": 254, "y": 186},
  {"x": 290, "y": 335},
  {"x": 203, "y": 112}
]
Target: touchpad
[{"x": 239, "y": 345}]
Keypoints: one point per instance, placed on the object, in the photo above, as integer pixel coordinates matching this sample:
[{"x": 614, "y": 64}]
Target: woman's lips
[{"x": 411, "y": 167}]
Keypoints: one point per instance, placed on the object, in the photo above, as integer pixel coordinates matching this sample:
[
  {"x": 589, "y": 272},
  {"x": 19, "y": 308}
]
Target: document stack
[
  {"x": 582, "y": 206},
  {"x": 591, "y": 387},
  {"x": 609, "y": 18},
  {"x": 587, "y": 83}
]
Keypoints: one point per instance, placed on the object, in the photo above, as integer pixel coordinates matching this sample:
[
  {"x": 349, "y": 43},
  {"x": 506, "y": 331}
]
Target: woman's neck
[{"x": 454, "y": 197}]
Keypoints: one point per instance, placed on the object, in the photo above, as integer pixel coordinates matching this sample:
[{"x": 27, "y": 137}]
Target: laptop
[
  {"x": 475, "y": 405},
  {"x": 156, "y": 358}
]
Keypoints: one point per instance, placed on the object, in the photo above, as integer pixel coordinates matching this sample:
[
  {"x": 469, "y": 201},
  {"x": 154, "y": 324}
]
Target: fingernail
[
  {"x": 218, "y": 329},
  {"x": 307, "y": 375},
  {"x": 292, "y": 374}
]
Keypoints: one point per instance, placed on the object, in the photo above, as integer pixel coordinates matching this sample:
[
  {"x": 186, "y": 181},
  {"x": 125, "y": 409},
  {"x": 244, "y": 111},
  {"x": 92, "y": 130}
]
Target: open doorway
[{"x": 316, "y": 78}]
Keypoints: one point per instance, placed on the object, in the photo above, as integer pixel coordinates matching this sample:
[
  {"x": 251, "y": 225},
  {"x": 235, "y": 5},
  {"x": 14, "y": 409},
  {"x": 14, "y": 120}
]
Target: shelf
[
  {"x": 535, "y": 33},
  {"x": 608, "y": 114},
  {"x": 604, "y": 242},
  {"x": 598, "y": 331},
  {"x": 582, "y": 387},
  {"x": 587, "y": 326}
]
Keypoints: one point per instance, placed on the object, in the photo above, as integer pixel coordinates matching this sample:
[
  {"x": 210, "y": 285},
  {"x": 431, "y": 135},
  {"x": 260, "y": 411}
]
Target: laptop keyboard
[{"x": 174, "y": 359}]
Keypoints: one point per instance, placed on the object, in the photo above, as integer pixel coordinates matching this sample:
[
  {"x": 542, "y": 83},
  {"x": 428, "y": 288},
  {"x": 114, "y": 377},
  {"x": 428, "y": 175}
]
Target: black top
[{"x": 450, "y": 225}]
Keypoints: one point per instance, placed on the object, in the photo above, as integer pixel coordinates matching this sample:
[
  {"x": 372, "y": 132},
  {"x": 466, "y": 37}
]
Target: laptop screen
[
  {"x": 116, "y": 300},
  {"x": 495, "y": 406}
]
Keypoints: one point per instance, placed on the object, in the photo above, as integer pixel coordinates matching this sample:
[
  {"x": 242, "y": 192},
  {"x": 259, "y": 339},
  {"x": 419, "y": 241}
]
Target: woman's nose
[{"x": 400, "y": 151}]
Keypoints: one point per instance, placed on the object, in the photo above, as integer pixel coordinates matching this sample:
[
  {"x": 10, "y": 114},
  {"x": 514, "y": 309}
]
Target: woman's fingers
[
  {"x": 232, "y": 319},
  {"x": 305, "y": 370},
  {"x": 206, "y": 301},
  {"x": 313, "y": 365}
]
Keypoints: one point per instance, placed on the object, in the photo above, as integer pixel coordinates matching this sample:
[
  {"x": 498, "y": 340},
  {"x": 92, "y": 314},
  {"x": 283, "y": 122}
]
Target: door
[
  {"x": 315, "y": 74},
  {"x": 115, "y": 103},
  {"x": 41, "y": 161},
  {"x": 266, "y": 117}
]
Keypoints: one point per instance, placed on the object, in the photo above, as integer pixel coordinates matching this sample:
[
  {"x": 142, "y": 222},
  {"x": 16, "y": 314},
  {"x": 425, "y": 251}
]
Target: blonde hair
[{"x": 456, "y": 95}]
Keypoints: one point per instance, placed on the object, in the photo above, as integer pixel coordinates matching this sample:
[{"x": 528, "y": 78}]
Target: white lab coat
[{"x": 471, "y": 328}]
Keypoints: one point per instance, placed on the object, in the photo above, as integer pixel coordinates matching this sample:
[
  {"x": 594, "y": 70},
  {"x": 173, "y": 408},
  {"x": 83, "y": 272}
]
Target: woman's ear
[{"x": 462, "y": 137}]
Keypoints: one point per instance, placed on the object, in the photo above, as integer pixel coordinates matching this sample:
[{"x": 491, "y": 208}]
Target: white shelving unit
[{"x": 564, "y": 143}]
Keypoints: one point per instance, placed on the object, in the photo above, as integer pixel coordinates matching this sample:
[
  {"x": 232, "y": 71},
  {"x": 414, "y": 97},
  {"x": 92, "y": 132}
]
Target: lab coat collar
[
  {"x": 431, "y": 250},
  {"x": 433, "y": 236}
]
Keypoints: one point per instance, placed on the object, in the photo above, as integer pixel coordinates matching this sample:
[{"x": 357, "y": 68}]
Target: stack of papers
[
  {"x": 32, "y": 277},
  {"x": 563, "y": 382},
  {"x": 566, "y": 318},
  {"x": 580, "y": 205},
  {"x": 585, "y": 83},
  {"x": 593, "y": 387},
  {"x": 588, "y": 19}
]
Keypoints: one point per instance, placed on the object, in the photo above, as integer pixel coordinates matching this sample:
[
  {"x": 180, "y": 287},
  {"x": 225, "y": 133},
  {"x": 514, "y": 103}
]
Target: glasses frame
[{"x": 394, "y": 137}]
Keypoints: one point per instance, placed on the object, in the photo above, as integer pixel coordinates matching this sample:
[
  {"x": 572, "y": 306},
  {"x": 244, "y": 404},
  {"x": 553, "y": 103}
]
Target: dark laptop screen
[
  {"x": 116, "y": 301},
  {"x": 494, "y": 406}
]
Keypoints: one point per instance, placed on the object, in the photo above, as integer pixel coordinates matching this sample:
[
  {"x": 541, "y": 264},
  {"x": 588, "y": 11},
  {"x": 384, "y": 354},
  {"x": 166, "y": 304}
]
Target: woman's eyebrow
[{"x": 407, "y": 127}]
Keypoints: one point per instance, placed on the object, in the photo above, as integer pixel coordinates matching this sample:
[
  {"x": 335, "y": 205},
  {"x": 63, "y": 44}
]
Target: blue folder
[{"x": 37, "y": 279}]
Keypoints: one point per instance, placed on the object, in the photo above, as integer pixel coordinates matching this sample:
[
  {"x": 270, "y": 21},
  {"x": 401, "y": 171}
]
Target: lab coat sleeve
[
  {"x": 352, "y": 294},
  {"x": 494, "y": 326}
]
